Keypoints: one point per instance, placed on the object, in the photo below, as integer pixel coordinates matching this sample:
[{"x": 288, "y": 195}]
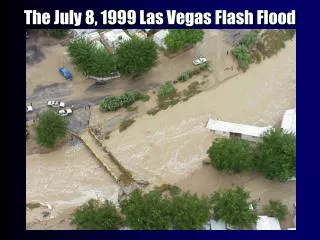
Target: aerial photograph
[{"x": 160, "y": 129}]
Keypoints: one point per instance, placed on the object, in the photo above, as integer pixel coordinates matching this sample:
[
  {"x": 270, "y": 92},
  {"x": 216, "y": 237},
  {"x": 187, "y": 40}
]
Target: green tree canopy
[
  {"x": 95, "y": 215},
  {"x": 158, "y": 211},
  {"x": 50, "y": 127},
  {"x": 232, "y": 155},
  {"x": 233, "y": 207},
  {"x": 136, "y": 56},
  {"x": 182, "y": 38},
  {"x": 90, "y": 59},
  {"x": 148, "y": 211},
  {"x": 276, "y": 155},
  {"x": 276, "y": 209}
]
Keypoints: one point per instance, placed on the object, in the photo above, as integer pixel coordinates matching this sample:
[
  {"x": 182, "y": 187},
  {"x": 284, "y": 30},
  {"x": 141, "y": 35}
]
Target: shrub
[
  {"x": 243, "y": 57},
  {"x": 95, "y": 215},
  {"x": 233, "y": 207},
  {"x": 276, "y": 155},
  {"x": 50, "y": 127},
  {"x": 232, "y": 155},
  {"x": 249, "y": 39},
  {"x": 276, "y": 209},
  {"x": 167, "y": 90},
  {"x": 113, "y": 103}
]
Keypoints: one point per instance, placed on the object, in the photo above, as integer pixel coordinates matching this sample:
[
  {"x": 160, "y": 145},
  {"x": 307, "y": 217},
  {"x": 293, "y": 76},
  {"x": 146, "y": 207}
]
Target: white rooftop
[
  {"x": 116, "y": 35},
  {"x": 289, "y": 121},
  {"x": 222, "y": 126},
  {"x": 268, "y": 223},
  {"x": 84, "y": 31},
  {"x": 161, "y": 34}
]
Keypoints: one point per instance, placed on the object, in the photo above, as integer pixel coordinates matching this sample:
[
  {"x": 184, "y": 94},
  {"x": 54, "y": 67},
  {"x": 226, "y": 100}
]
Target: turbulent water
[
  {"x": 67, "y": 178},
  {"x": 168, "y": 146}
]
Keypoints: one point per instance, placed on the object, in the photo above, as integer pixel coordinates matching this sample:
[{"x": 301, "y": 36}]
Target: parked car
[
  {"x": 54, "y": 103},
  {"x": 65, "y": 112},
  {"x": 29, "y": 108},
  {"x": 65, "y": 73},
  {"x": 199, "y": 60}
]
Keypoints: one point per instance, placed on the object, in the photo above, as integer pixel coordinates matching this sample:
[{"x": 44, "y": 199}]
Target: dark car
[{"x": 65, "y": 73}]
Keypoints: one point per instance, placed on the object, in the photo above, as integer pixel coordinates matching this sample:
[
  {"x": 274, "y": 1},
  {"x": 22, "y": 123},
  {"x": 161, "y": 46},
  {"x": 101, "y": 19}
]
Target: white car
[
  {"x": 29, "y": 108},
  {"x": 199, "y": 61},
  {"x": 65, "y": 112},
  {"x": 54, "y": 103}
]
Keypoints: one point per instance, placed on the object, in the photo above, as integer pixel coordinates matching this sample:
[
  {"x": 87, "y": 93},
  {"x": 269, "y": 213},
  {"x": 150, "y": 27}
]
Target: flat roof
[
  {"x": 268, "y": 223},
  {"x": 83, "y": 31},
  {"x": 222, "y": 126},
  {"x": 161, "y": 34},
  {"x": 115, "y": 34},
  {"x": 289, "y": 121}
]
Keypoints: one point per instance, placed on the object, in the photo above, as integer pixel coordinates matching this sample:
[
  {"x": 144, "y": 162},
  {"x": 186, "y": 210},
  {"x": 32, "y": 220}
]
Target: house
[
  {"x": 159, "y": 38},
  {"x": 132, "y": 32},
  {"x": 137, "y": 33},
  {"x": 235, "y": 130},
  {"x": 289, "y": 121},
  {"x": 115, "y": 37},
  {"x": 93, "y": 36},
  {"x": 78, "y": 32},
  {"x": 267, "y": 223},
  {"x": 215, "y": 225}
]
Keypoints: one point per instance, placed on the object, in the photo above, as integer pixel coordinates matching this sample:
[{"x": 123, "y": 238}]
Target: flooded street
[
  {"x": 165, "y": 148},
  {"x": 66, "y": 178}
]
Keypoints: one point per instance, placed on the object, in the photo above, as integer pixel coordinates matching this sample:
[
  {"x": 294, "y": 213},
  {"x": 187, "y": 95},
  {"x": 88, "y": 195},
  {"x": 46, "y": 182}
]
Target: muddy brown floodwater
[
  {"x": 167, "y": 147},
  {"x": 66, "y": 178}
]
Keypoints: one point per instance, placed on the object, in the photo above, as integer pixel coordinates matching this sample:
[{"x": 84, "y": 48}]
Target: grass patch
[
  {"x": 125, "y": 124},
  {"x": 33, "y": 205}
]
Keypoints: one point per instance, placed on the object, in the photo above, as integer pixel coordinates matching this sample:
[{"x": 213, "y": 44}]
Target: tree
[
  {"x": 189, "y": 212},
  {"x": 232, "y": 155},
  {"x": 276, "y": 209},
  {"x": 276, "y": 155},
  {"x": 90, "y": 59},
  {"x": 94, "y": 215},
  {"x": 148, "y": 211},
  {"x": 233, "y": 207},
  {"x": 161, "y": 210},
  {"x": 136, "y": 56},
  {"x": 180, "y": 39},
  {"x": 50, "y": 127}
]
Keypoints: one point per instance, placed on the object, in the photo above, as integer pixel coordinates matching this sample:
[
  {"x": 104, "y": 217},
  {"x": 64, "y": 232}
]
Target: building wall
[{"x": 250, "y": 138}]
